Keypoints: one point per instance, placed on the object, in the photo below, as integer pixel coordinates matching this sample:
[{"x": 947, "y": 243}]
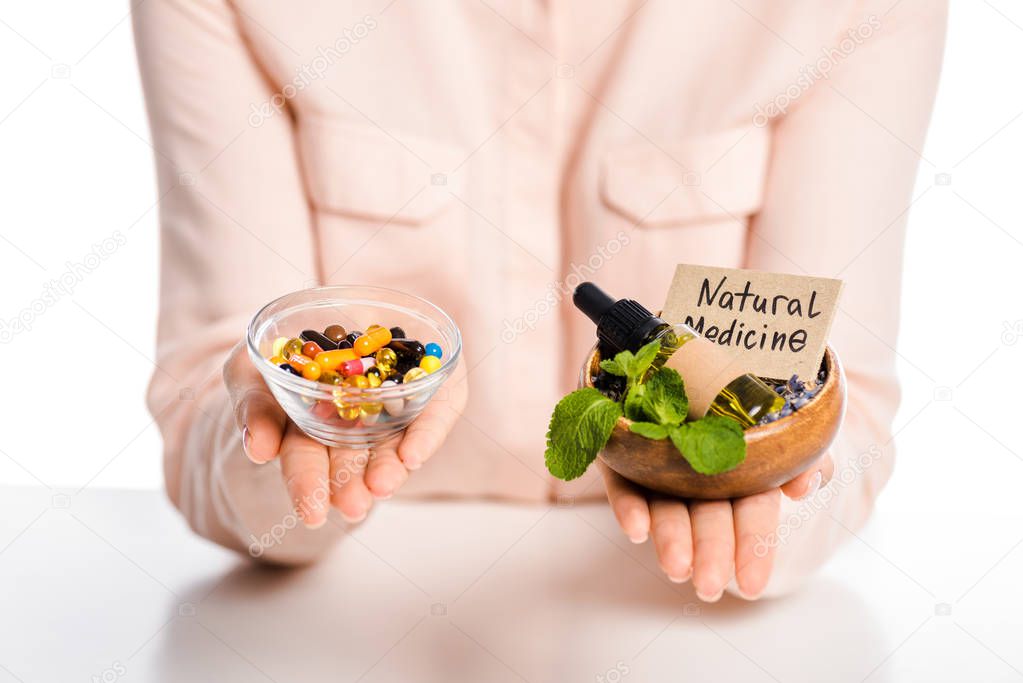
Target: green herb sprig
[{"x": 656, "y": 403}]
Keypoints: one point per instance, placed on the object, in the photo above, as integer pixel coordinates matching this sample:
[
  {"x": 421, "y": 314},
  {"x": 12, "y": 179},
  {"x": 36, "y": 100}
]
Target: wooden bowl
[{"x": 775, "y": 452}]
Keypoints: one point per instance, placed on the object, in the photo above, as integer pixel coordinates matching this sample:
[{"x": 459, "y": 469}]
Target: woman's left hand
[{"x": 711, "y": 540}]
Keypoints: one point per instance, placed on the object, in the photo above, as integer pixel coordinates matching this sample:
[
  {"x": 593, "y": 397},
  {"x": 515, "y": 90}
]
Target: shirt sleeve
[
  {"x": 236, "y": 232},
  {"x": 840, "y": 183}
]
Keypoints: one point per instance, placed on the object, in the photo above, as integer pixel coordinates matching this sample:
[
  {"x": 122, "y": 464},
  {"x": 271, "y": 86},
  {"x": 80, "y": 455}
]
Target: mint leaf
[
  {"x": 712, "y": 445},
  {"x": 661, "y": 399},
  {"x": 634, "y": 401},
  {"x": 649, "y": 430},
  {"x": 643, "y": 359},
  {"x": 580, "y": 426},
  {"x": 612, "y": 367}
]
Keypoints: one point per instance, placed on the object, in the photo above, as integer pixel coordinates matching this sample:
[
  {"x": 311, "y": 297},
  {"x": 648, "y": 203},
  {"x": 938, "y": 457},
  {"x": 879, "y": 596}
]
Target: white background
[
  {"x": 939, "y": 564},
  {"x": 75, "y": 167}
]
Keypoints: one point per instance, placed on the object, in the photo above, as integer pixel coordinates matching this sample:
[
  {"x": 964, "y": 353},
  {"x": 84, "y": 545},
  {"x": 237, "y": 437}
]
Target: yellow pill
[
  {"x": 357, "y": 381},
  {"x": 375, "y": 377},
  {"x": 430, "y": 363},
  {"x": 279, "y": 346},
  {"x": 291, "y": 347},
  {"x": 277, "y": 360},
  {"x": 349, "y": 411},
  {"x": 330, "y": 377},
  {"x": 413, "y": 374}
]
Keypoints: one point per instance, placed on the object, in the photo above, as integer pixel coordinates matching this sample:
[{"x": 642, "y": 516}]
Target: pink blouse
[{"x": 489, "y": 156}]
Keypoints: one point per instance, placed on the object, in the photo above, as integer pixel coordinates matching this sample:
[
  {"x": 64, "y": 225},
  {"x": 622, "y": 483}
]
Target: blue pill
[{"x": 434, "y": 350}]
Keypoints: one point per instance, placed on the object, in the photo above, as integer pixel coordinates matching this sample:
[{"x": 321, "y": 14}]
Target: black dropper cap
[{"x": 623, "y": 324}]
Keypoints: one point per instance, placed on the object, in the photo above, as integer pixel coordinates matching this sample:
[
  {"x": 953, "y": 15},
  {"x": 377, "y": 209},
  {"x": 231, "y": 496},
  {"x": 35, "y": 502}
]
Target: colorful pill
[
  {"x": 278, "y": 347},
  {"x": 353, "y": 335},
  {"x": 386, "y": 359},
  {"x": 298, "y": 361},
  {"x": 434, "y": 350},
  {"x": 393, "y": 406},
  {"x": 335, "y": 333},
  {"x": 330, "y": 360},
  {"x": 359, "y": 366},
  {"x": 330, "y": 377},
  {"x": 291, "y": 347},
  {"x": 430, "y": 363},
  {"x": 277, "y": 360},
  {"x": 325, "y": 342},
  {"x": 413, "y": 374},
  {"x": 286, "y": 366},
  {"x": 409, "y": 352},
  {"x": 312, "y": 370},
  {"x": 356, "y": 381},
  {"x": 348, "y": 411},
  {"x": 311, "y": 349},
  {"x": 397, "y": 333},
  {"x": 375, "y": 377}
]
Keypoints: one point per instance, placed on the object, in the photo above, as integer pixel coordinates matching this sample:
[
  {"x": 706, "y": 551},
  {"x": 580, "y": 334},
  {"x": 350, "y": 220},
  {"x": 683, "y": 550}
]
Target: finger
[
  {"x": 713, "y": 547},
  {"x": 256, "y": 412},
  {"x": 348, "y": 492},
  {"x": 673, "y": 537},
  {"x": 809, "y": 482},
  {"x": 305, "y": 469},
  {"x": 756, "y": 520},
  {"x": 426, "y": 433},
  {"x": 628, "y": 504},
  {"x": 385, "y": 472}
]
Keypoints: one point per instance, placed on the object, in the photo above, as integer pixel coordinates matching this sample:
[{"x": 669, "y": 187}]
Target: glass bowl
[{"x": 317, "y": 407}]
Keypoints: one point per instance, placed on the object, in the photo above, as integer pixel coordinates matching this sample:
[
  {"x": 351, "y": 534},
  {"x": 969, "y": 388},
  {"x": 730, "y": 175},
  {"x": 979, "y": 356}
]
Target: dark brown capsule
[
  {"x": 409, "y": 353},
  {"x": 397, "y": 333},
  {"x": 335, "y": 333},
  {"x": 322, "y": 341},
  {"x": 353, "y": 335}
]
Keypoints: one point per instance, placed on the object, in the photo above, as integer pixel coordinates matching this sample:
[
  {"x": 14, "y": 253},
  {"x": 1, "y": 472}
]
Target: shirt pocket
[
  {"x": 358, "y": 170},
  {"x": 699, "y": 180}
]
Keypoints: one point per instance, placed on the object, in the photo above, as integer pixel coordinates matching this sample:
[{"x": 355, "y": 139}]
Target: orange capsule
[
  {"x": 312, "y": 370},
  {"x": 329, "y": 360},
  {"x": 364, "y": 345},
  {"x": 311, "y": 349},
  {"x": 298, "y": 361}
]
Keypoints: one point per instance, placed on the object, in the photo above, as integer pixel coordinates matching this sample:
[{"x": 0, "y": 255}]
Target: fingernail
[
  {"x": 751, "y": 596},
  {"x": 710, "y": 598},
  {"x": 814, "y": 486},
  {"x": 316, "y": 525},
  {"x": 412, "y": 463},
  {"x": 247, "y": 443},
  {"x": 383, "y": 496},
  {"x": 681, "y": 579},
  {"x": 353, "y": 520},
  {"x": 639, "y": 539}
]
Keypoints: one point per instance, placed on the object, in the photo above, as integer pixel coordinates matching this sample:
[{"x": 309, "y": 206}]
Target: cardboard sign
[{"x": 778, "y": 322}]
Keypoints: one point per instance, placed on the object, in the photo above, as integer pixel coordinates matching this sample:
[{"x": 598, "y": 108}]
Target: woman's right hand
[{"x": 316, "y": 475}]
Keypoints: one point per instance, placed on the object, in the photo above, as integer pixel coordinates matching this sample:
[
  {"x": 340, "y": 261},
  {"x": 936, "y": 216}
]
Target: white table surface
[{"x": 110, "y": 585}]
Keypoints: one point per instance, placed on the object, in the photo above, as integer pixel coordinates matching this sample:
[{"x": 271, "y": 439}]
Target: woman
[{"x": 481, "y": 153}]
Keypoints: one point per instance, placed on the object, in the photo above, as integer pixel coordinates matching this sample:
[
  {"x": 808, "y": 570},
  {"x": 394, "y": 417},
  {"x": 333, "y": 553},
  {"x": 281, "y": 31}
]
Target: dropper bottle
[{"x": 716, "y": 379}]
